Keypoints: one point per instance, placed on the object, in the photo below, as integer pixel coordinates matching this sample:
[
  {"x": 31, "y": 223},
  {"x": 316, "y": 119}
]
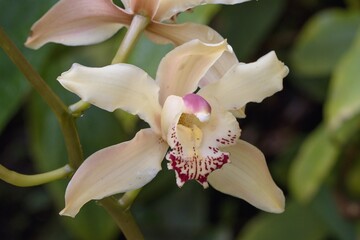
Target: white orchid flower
[
  {"x": 198, "y": 127},
  {"x": 84, "y": 22}
]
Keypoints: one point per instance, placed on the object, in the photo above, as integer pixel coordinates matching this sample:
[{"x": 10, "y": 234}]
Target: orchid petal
[
  {"x": 219, "y": 69},
  {"x": 222, "y": 130},
  {"x": 181, "y": 69},
  {"x": 247, "y": 177},
  {"x": 170, "y": 114},
  {"x": 80, "y": 22},
  {"x": 116, "y": 86},
  {"x": 245, "y": 83},
  {"x": 116, "y": 169},
  {"x": 179, "y": 34},
  {"x": 169, "y": 8}
]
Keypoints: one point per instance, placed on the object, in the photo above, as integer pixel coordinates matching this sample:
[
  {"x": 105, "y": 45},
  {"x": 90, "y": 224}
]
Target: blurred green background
[{"x": 309, "y": 132}]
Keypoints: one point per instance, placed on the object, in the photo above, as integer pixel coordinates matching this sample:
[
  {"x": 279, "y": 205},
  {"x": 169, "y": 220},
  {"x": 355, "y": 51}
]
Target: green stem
[
  {"x": 119, "y": 213},
  {"x": 22, "y": 180},
  {"x": 77, "y": 109},
  {"x": 123, "y": 218},
  {"x": 128, "y": 198},
  {"x": 137, "y": 26},
  {"x": 65, "y": 119}
]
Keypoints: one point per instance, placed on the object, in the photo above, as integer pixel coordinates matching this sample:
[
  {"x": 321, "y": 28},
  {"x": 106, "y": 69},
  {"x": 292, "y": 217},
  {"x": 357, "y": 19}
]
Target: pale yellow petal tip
[
  {"x": 69, "y": 74},
  {"x": 31, "y": 44},
  {"x": 68, "y": 212},
  {"x": 278, "y": 205},
  {"x": 33, "y": 41},
  {"x": 286, "y": 70}
]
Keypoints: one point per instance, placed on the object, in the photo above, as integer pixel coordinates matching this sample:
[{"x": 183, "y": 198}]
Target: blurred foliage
[
  {"x": 314, "y": 155},
  {"x": 307, "y": 175}
]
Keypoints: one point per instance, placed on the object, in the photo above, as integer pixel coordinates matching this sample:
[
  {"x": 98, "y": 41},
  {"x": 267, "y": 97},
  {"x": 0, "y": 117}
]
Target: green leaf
[
  {"x": 16, "y": 20},
  {"x": 312, "y": 165},
  {"x": 343, "y": 101},
  {"x": 352, "y": 177},
  {"x": 296, "y": 223},
  {"x": 323, "y": 41},
  {"x": 324, "y": 205},
  {"x": 319, "y": 219},
  {"x": 247, "y": 25}
]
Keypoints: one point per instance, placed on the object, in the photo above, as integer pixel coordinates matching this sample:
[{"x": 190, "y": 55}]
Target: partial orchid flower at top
[
  {"x": 84, "y": 22},
  {"x": 202, "y": 133}
]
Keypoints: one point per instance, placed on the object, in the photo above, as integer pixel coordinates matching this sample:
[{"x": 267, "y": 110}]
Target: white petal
[
  {"x": 79, "y": 22},
  {"x": 219, "y": 69},
  {"x": 246, "y": 83},
  {"x": 116, "y": 169},
  {"x": 222, "y": 130},
  {"x": 247, "y": 177},
  {"x": 181, "y": 69},
  {"x": 169, "y": 8},
  {"x": 171, "y": 112},
  {"x": 116, "y": 86},
  {"x": 179, "y": 34}
]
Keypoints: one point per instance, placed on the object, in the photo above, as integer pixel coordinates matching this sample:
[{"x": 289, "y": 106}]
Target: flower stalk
[
  {"x": 65, "y": 119},
  {"x": 77, "y": 109},
  {"x": 128, "y": 198},
  {"x": 137, "y": 26},
  {"x": 123, "y": 218},
  {"x": 22, "y": 180}
]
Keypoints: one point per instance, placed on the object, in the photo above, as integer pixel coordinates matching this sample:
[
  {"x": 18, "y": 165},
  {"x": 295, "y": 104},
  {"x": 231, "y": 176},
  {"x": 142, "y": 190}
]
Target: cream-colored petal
[
  {"x": 169, "y": 8},
  {"x": 171, "y": 112},
  {"x": 245, "y": 83},
  {"x": 219, "y": 69},
  {"x": 181, "y": 69},
  {"x": 222, "y": 130},
  {"x": 239, "y": 113},
  {"x": 79, "y": 22},
  {"x": 247, "y": 177},
  {"x": 179, "y": 34},
  {"x": 116, "y": 86},
  {"x": 116, "y": 169}
]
